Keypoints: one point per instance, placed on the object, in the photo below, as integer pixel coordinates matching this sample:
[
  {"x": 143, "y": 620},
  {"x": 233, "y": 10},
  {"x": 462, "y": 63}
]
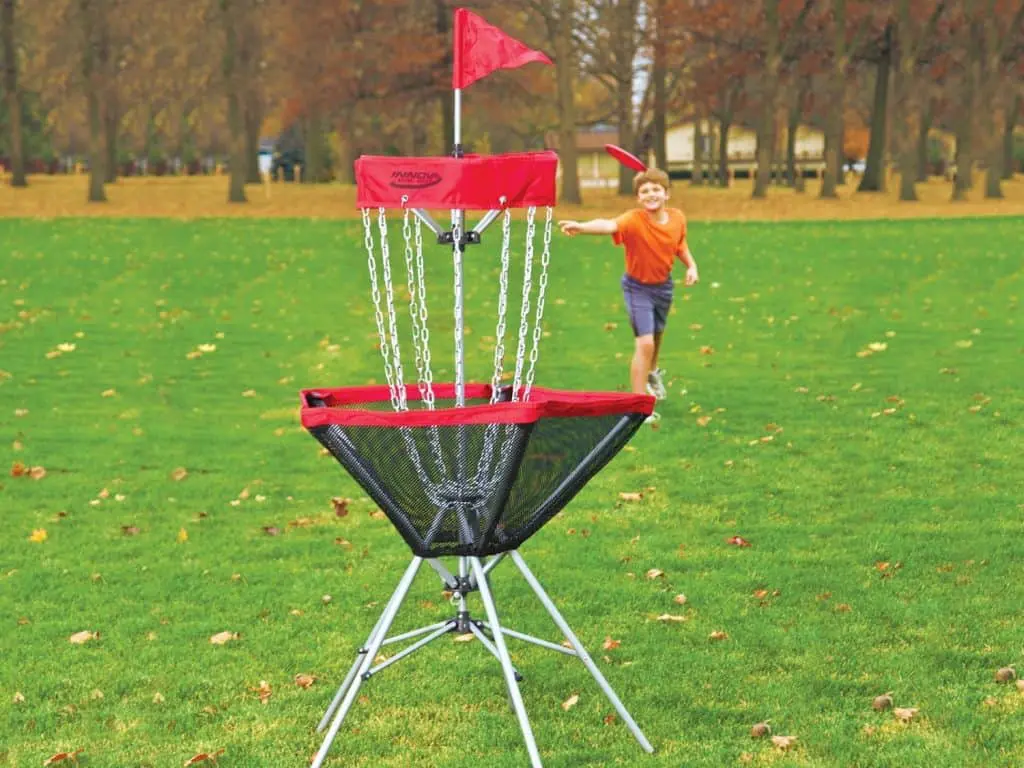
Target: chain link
[
  {"x": 499, "y": 346},
  {"x": 385, "y": 351},
  {"x": 545, "y": 260},
  {"x": 385, "y": 254},
  {"x": 428, "y": 377},
  {"x": 460, "y": 384},
  {"x": 524, "y": 315},
  {"x": 414, "y": 301}
]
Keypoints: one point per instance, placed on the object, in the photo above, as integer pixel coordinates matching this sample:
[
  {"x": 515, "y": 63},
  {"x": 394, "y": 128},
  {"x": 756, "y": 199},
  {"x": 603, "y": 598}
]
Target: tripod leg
[
  {"x": 580, "y": 650},
  {"x": 506, "y": 662},
  {"x": 375, "y": 642},
  {"x": 351, "y": 674}
]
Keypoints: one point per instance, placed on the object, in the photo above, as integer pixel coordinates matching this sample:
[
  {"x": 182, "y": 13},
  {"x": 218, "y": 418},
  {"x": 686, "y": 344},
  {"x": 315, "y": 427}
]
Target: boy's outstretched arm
[
  {"x": 592, "y": 227},
  {"x": 692, "y": 276}
]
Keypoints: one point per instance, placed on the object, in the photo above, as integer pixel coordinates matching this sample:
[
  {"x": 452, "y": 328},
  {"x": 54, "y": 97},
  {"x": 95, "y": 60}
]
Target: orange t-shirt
[{"x": 651, "y": 248}]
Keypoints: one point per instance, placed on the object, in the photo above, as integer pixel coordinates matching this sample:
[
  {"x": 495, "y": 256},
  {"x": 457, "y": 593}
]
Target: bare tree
[
  {"x": 92, "y": 17},
  {"x": 234, "y": 80},
  {"x": 13, "y": 96}
]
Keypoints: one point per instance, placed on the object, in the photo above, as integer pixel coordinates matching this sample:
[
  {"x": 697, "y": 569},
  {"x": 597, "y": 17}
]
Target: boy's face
[{"x": 651, "y": 196}]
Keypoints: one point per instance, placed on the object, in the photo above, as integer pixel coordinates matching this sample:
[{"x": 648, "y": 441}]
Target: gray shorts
[{"x": 648, "y": 305}]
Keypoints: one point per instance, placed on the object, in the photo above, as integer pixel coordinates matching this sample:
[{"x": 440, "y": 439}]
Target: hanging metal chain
[
  {"x": 545, "y": 260},
  {"x": 460, "y": 384},
  {"x": 389, "y": 289},
  {"x": 418, "y": 324},
  {"x": 524, "y": 315},
  {"x": 385, "y": 351},
  {"x": 499, "y": 335},
  {"x": 428, "y": 375}
]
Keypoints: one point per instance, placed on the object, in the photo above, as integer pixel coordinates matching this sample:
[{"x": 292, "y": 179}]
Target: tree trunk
[
  {"x": 253, "y": 123},
  {"x": 1009, "y": 162},
  {"x": 624, "y": 52},
  {"x": 111, "y": 118},
  {"x": 9, "y": 55},
  {"x": 253, "y": 105},
  {"x": 447, "y": 100},
  {"x": 92, "y": 74},
  {"x": 963, "y": 181},
  {"x": 565, "y": 77},
  {"x": 232, "y": 82},
  {"x": 873, "y": 179},
  {"x": 769, "y": 80},
  {"x": 837, "y": 88},
  {"x": 791, "y": 129},
  {"x": 697, "y": 175},
  {"x": 906, "y": 81},
  {"x": 660, "y": 89},
  {"x": 315, "y": 149},
  {"x": 111, "y": 125},
  {"x": 922, "y": 141},
  {"x": 723, "y": 150}
]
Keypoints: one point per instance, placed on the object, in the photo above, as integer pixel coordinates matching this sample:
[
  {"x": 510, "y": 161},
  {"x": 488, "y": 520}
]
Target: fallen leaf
[
  {"x": 271, "y": 530},
  {"x": 304, "y": 681},
  {"x": 680, "y": 599},
  {"x": 707, "y": 350},
  {"x": 38, "y": 536},
  {"x": 60, "y": 757},
  {"x": 1020, "y": 686},
  {"x": 182, "y": 536},
  {"x": 570, "y": 702},
  {"x": 609, "y": 719},
  {"x": 340, "y": 506},
  {"x": 204, "y": 757},
  {"x": 1006, "y": 675},
  {"x": 718, "y": 635},
  {"x": 37, "y": 473},
  {"x": 158, "y": 698},
  {"x": 378, "y": 514},
  {"x": 263, "y": 691},
  {"x": 784, "y": 743},
  {"x": 83, "y": 637},
  {"x": 609, "y": 644},
  {"x": 883, "y": 702},
  {"x": 738, "y": 541},
  {"x": 654, "y": 573},
  {"x": 223, "y": 637},
  {"x": 19, "y": 698},
  {"x": 703, "y": 421},
  {"x": 905, "y": 714},
  {"x": 630, "y": 496},
  {"x": 108, "y": 393},
  {"x": 130, "y": 530},
  {"x": 670, "y": 617},
  {"x": 760, "y": 730},
  {"x": 468, "y": 637},
  {"x": 610, "y": 326},
  {"x": 179, "y": 474}
]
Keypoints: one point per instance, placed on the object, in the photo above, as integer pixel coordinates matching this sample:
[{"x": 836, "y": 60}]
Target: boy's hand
[
  {"x": 570, "y": 227},
  {"x": 691, "y": 275}
]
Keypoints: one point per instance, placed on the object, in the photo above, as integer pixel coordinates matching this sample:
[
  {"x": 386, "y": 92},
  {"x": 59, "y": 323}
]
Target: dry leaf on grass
[
  {"x": 679, "y": 599},
  {"x": 130, "y": 530},
  {"x": 304, "y": 681},
  {"x": 179, "y": 474},
  {"x": 883, "y": 702},
  {"x": 340, "y": 506},
  {"x": 670, "y": 617},
  {"x": 570, "y": 702},
  {"x": 182, "y": 536},
  {"x": 271, "y": 530},
  {"x": 468, "y": 637},
  {"x": 737, "y": 541},
  {"x": 625, "y": 496},
  {"x": 784, "y": 742},
  {"x": 38, "y": 536},
  {"x": 263, "y": 691},
  {"x": 19, "y": 697},
  {"x": 1006, "y": 675},
  {"x": 223, "y": 637},
  {"x": 718, "y": 635},
  {"x": 760, "y": 730},
  {"x": 654, "y": 573},
  {"x": 905, "y": 714},
  {"x": 81, "y": 638},
  {"x": 204, "y": 757},
  {"x": 60, "y": 757},
  {"x": 609, "y": 644}
]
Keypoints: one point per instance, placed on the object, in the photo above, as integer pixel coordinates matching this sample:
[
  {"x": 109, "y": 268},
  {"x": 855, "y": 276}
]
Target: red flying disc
[{"x": 628, "y": 159}]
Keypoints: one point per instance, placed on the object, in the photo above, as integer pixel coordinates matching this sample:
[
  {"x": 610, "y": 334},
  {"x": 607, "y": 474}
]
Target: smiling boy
[{"x": 653, "y": 236}]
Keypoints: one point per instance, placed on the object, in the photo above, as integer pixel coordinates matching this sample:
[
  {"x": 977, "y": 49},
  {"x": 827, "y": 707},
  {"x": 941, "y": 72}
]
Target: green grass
[{"x": 933, "y": 488}]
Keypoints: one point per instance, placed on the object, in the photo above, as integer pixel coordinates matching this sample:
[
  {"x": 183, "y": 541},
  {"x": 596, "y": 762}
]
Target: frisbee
[{"x": 628, "y": 159}]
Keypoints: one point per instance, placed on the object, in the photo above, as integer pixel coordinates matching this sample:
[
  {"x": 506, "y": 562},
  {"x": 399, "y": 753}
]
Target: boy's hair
[{"x": 652, "y": 176}]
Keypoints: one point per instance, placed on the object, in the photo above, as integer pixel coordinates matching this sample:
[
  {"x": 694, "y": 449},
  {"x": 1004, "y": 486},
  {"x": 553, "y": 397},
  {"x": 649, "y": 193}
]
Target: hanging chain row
[
  {"x": 545, "y": 260},
  {"x": 389, "y": 287},
  {"x": 499, "y": 347},
  {"x": 385, "y": 352},
  {"x": 418, "y": 306},
  {"x": 524, "y": 315}
]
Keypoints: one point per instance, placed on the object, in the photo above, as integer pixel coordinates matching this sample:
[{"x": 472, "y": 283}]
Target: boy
[{"x": 653, "y": 236}]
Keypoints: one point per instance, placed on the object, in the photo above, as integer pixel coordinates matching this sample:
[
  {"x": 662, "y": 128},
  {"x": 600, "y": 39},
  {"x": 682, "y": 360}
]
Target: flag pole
[{"x": 457, "y": 250}]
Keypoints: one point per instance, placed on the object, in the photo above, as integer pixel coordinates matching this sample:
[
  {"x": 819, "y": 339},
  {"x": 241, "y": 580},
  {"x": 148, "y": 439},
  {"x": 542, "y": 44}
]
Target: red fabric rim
[
  {"x": 543, "y": 403},
  {"x": 472, "y": 182}
]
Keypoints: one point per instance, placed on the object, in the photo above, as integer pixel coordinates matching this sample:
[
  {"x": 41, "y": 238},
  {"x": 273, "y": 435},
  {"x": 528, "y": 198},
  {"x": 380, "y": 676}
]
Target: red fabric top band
[
  {"x": 543, "y": 403},
  {"x": 473, "y": 182}
]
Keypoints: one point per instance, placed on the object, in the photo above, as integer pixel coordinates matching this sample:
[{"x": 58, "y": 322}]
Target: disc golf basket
[{"x": 464, "y": 470}]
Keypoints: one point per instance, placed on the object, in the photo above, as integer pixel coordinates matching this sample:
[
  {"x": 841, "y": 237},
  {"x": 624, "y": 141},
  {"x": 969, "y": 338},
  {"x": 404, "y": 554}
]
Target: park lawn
[{"x": 843, "y": 396}]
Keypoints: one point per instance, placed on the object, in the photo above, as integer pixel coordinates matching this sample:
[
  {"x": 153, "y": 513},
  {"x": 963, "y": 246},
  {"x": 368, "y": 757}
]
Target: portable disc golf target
[{"x": 461, "y": 469}]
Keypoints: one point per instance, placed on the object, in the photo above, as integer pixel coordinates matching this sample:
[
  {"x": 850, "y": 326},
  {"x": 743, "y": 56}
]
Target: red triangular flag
[{"x": 481, "y": 48}]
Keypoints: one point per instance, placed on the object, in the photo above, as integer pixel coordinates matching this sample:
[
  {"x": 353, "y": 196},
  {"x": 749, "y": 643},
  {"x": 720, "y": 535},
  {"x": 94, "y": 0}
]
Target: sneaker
[
  {"x": 655, "y": 386},
  {"x": 653, "y": 419}
]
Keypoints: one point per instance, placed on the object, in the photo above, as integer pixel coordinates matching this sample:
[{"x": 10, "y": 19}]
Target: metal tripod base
[{"x": 472, "y": 576}]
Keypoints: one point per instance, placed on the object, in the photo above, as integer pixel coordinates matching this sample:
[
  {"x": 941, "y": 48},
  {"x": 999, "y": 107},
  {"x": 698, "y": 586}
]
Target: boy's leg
[
  {"x": 641, "y": 365},
  {"x": 657, "y": 348}
]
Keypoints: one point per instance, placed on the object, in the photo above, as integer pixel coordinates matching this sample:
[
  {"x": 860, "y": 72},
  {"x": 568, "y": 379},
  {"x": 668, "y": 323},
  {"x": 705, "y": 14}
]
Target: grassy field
[{"x": 844, "y": 396}]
